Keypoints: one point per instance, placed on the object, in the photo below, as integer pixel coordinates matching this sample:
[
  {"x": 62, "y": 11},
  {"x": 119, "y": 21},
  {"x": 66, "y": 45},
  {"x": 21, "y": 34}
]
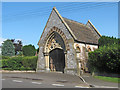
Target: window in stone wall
[
  {"x": 78, "y": 49},
  {"x": 89, "y": 49}
]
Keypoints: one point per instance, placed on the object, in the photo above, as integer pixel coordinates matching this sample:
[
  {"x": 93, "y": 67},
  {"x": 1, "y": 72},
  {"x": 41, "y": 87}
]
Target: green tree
[
  {"x": 106, "y": 58},
  {"x": 18, "y": 45},
  {"x": 105, "y": 40},
  {"x": 29, "y": 50},
  {"x": 8, "y": 48}
]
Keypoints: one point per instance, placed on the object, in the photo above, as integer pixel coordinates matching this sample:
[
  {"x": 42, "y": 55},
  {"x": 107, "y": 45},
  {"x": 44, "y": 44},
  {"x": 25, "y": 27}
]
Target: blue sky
[{"x": 26, "y": 20}]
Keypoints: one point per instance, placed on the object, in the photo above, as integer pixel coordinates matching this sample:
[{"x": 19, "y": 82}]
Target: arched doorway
[
  {"x": 57, "y": 60},
  {"x": 55, "y": 51}
]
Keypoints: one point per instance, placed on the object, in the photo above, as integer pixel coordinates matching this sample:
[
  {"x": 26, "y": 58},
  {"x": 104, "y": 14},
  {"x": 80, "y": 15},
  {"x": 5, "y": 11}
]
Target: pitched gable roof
[
  {"x": 82, "y": 32},
  {"x": 93, "y": 27},
  {"x": 54, "y": 8}
]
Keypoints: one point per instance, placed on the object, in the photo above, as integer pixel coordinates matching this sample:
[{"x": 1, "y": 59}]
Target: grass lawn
[{"x": 109, "y": 79}]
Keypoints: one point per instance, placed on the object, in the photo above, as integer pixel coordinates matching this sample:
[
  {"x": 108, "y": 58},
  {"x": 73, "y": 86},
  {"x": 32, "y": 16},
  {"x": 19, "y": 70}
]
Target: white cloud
[
  {"x": 1, "y": 40},
  {"x": 24, "y": 42},
  {"x": 19, "y": 39}
]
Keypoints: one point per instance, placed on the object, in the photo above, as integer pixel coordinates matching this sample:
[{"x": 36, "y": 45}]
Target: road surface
[{"x": 41, "y": 80}]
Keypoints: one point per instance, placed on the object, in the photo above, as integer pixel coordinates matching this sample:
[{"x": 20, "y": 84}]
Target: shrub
[
  {"x": 105, "y": 59},
  {"x": 5, "y": 57},
  {"x": 20, "y": 63},
  {"x": 30, "y": 62},
  {"x": 29, "y": 50},
  {"x": 15, "y": 63},
  {"x": 4, "y": 63},
  {"x": 105, "y": 40}
]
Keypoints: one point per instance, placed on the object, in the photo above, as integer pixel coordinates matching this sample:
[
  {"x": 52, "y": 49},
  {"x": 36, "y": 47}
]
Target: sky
[{"x": 26, "y": 20}]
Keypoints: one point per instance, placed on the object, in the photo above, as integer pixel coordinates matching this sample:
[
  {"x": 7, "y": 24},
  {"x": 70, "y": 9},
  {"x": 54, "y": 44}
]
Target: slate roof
[{"x": 82, "y": 32}]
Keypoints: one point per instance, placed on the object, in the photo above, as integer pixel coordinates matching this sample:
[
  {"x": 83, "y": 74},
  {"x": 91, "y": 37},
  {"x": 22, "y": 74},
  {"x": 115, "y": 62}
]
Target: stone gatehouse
[{"x": 64, "y": 45}]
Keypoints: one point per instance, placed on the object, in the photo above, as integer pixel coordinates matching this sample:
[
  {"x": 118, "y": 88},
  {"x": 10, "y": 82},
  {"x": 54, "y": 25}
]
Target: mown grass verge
[{"x": 109, "y": 79}]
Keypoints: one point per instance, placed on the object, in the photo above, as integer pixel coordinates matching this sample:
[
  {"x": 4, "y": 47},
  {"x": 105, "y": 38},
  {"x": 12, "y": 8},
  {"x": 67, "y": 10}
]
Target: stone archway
[
  {"x": 55, "y": 42},
  {"x": 57, "y": 60}
]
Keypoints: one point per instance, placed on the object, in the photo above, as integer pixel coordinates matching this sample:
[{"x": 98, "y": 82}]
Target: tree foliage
[
  {"x": 8, "y": 48},
  {"x": 107, "y": 57},
  {"x": 18, "y": 45},
  {"x": 38, "y": 50},
  {"x": 105, "y": 40},
  {"x": 29, "y": 50}
]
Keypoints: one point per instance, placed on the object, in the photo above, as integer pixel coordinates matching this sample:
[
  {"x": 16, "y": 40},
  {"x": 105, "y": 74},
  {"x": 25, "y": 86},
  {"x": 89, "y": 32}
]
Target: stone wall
[
  {"x": 82, "y": 55},
  {"x": 71, "y": 65}
]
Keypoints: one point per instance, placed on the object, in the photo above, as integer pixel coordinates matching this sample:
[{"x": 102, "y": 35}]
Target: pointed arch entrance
[{"x": 55, "y": 49}]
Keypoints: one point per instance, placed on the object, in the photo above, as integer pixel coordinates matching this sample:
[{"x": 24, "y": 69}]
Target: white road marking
[
  {"x": 81, "y": 87},
  {"x": 63, "y": 80},
  {"x": 36, "y": 83},
  {"x": 85, "y": 76},
  {"x": 58, "y": 85},
  {"x": 17, "y": 81},
  {"x": 104, "y": 86},
  {"x": 2, "y": 79}
]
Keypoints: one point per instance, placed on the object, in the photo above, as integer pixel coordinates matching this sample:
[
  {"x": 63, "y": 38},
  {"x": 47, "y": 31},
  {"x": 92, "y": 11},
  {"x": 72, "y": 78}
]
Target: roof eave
[
  {"x": 65, "y": 23},
  {"x": 94, "y": 28}
]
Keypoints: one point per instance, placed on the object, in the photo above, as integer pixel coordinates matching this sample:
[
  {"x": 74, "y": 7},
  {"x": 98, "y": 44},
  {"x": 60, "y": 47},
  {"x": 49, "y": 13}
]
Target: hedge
[
  {"x": 20, "y": 63},
  {"x": 4, "y": 57},
  {"x": 105, "y": 59},
  {"x": 106, "y": 40}
]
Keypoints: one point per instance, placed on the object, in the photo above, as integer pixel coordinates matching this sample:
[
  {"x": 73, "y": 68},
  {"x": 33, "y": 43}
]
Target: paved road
[
  {"x": 41, "y": 80},
  {"x": 51, "y": 80},
  {"x": 98, "y": 83}
]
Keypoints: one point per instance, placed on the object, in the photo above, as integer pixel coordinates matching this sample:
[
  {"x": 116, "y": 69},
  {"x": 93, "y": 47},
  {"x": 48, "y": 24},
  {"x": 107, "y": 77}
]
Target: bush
[
  {"x": 30, "y": 62},
  {"x": 20, "y": 63},
  {"x": 4, "y": 63},
  {"x": 29, "y": 50},
  {"x": 5, "y": 57},
  {"x": 105, "y": 40},
  {"x": 15, "y": 63},
  {"x": 105, "y": 59}
]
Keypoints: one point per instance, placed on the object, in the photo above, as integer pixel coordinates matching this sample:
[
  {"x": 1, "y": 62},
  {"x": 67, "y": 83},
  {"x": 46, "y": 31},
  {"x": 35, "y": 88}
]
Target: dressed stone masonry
[{"x": 64, "y": 45}]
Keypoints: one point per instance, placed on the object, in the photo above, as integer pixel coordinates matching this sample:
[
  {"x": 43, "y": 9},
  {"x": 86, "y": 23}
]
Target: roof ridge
[
  {"x": 74, "y": 21},
  {"x": 78, "y": 22}
]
